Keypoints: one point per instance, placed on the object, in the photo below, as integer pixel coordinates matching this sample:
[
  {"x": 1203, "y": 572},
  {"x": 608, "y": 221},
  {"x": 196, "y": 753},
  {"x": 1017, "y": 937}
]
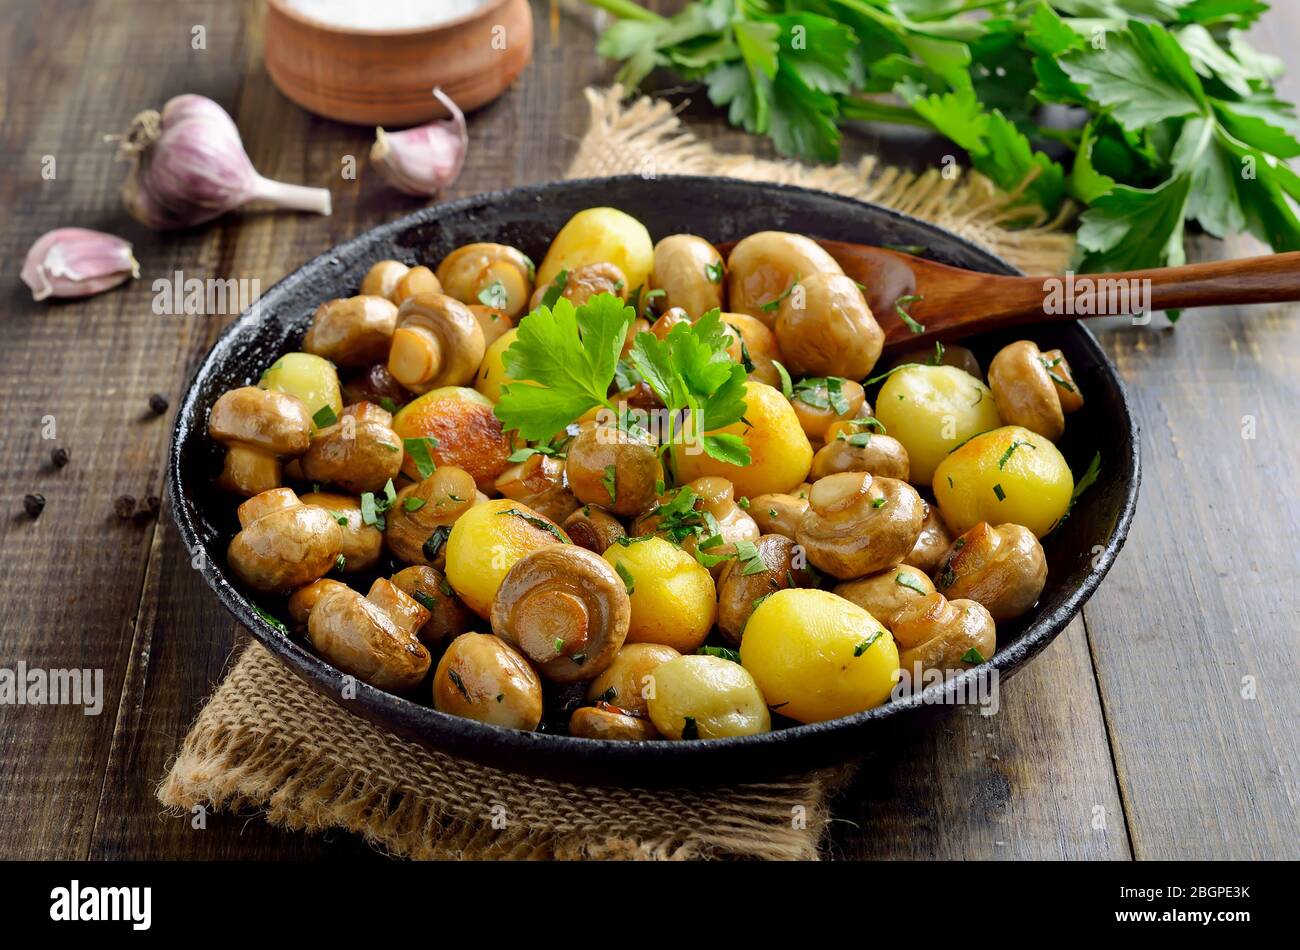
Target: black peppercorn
[
  {"x": 124, "y": 506},
  {"x": 59, "y": 457},
  {"x": 34, "y": 503},
  {"x": 153, "y": 503},
  {"x": 158, "y": 403}
]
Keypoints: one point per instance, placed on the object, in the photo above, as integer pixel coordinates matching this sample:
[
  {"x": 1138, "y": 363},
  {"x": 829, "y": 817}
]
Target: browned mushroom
[
  {"x": 932, "y": 544},
  {"x": 763, "y": 268},
  {"x": 858, "y": 524},
  {"x": 883, "y": 595},
  {"x": 283, "y": 544},
  {"x": 258, "y": 428},
  {"x": 1033, "y": 389},
  {"x": 826, "y": 328},
  {"x": 1003, "y": 568},
  {"x": 352, "y": 331},
  {"x": 304, "y": 599},
  {"x": 438, "y": 342},
  {"x": 416, "y": 281},
  {"x": 819, "y": 401},
  {"x": 360, "y": 452},
  {"x": 615, "y": 468},
  {"x": 690, "y": 272},
  {"x": 362, "y": 543},
  {"x": 419, "y": 521},
  {"x": 778, "y": 513},
  {"x": 934, "y": 633},
  {"x": 372, "y": 637},
  {"x": 627, "y": 681},
  {"x": 755, "y": 347},
  {"x": 382, "y": 278},
  {"x": 606, "y": 721},
  {"x": 593, "y": 528},
  {"x": 665, "y": 322},
  {"x": 492, "y": 274},
  {"x": 565, "y": 609},
  {"x": 538, "y": 481},
  {"x": 743, "y": 584},
  {"x": 714, "y": 524},
  {"x": 448, "y": 617},
  {"x": 375, "y": 383},
  {"x": 853, "y": 446},
  {"x": 584, "y": 282},
  {"x": 481, "y": 677}
]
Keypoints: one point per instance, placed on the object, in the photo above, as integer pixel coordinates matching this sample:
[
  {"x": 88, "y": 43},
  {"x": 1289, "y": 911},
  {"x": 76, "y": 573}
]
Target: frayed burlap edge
[
  {"x": 645, "y": 136},
  {"x": 266, "y": 742}
]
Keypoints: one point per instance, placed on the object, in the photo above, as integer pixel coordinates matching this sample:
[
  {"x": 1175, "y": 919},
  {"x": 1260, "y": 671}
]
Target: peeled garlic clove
[
  {"x": 77, "y": 262},
  {"x": 426, "y": 159},
  {"x": 189, "y": 166}
]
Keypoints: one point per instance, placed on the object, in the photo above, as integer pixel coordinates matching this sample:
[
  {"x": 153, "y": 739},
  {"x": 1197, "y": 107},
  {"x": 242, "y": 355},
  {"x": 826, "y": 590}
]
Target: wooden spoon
[{"x": 951, "y": 301}]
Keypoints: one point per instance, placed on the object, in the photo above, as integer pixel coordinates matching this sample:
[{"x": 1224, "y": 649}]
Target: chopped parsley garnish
[
  {"x": 390, "y": 446},
  {"x": 772, "y": 305},
  {"x": 629, "y": 582},
  {"x": 387, "y": 404},
  {"x": 787, "y": 387},
  {"x": 460, "y": 684},
  {"x": 1057, "y": 378},
  {"x": 715, "y": 271},
  {"x": 878, "y": 502},
  {"x": 553, "y": 293},
  {"x": 823, "y": 392},
  {"x": 973, "y": 656},
  {"x": 413, "y": 504},
  {"x": 937, "y": 359},
  {"x": 610, "y": 481},
  {"x": 906, "y": 317},
  {"x": 751, "y": 561},
  {"x": 340, "y": 563},
  {"x": 1081, "y": 486},
  {"x": 434, "y": 542},
  {"x": 559, "y": 644},
  {"x": 425, "y": 600},
  {"x": 273, "y": 621},
  {"x": 1015, "y": 444},
  {"x": 743, "y": 502},
  {"x": 540, "y": 523},
  {"x": 608, "y": 696},
  {"x": 997, "y": 490},
  {"x": 910, "y": 581},
  {"x": 722, "y": 653},
  {"x": 372, "y": 508},
  {"x": 421, "y": 452},
  {"x": 494, "y": 295},
  {"x": 914, "y": 249},
  {"x": 865, "y": 645},
  {"x": 324, "y": 417}
]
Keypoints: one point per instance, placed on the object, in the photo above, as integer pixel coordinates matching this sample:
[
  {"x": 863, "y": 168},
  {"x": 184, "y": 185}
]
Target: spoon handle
[{"x": 1271, "y": 279}]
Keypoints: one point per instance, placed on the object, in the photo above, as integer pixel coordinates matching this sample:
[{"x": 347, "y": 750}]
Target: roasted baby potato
[
  {"x": 706, "y": 697},
  {"x": 597, "y": 235},
  {"x": 465, "y": 432},
  {"x": 780, "y": 454},
  {"x": 932, "y": 410},
  {"x": 1009, "y": 475},
  {"x": 816, "y": 656},
  {"x": 673, "y": 598},
  {"x": 311, "y": 379}
]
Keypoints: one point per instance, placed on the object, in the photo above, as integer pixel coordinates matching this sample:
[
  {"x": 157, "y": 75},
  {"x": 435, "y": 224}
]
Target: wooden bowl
[
  {"x": 385, "y": 77},
  {"x": 1079, "y": 553}
]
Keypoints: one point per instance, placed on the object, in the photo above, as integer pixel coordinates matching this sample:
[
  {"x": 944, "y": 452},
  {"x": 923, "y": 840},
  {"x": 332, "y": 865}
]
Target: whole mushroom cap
[
  {"x": 565, "y": 609},
  {"x": 1003, "y": 568},
  {"x": 359, "y": 453},
  {"x": 483, "y": 678},
  {"x": 858, "y": 524},
  {"x": 938, "y": 634},
  {"x": 360, "y": 637},
  {"x": 283, "y": 544},
  {"x": 1024, "y": 392},
  {"x": 352, "y": 331},
  {"x": 438, "y": 342},
  {"x": 276, "y": 423}
]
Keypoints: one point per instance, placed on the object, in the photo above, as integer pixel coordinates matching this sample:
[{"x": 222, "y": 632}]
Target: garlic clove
[
  {"x": 426, "y": 159},
  {"x": 77, "y": 262},
  {"x": 189, "y": 166}
]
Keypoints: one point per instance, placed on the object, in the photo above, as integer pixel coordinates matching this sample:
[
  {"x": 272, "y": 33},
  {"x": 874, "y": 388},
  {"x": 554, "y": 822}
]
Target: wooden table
[{"x": 1163, "y": 724}]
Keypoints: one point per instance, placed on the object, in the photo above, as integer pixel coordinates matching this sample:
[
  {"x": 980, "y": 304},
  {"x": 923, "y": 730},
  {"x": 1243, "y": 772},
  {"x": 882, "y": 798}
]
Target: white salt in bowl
[{"x": 383, "y": 72}]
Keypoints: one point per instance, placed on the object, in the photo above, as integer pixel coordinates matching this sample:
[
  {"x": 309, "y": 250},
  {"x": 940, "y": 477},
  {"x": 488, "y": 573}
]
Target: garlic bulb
[
  {"x": 426, "y": 159},
  {"x": 189, "y": 166},
  {"x": 77, "y": 262}
]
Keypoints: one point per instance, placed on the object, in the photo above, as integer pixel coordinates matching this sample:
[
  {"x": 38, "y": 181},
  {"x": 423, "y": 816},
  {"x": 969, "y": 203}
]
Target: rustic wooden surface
[{"x": 1162, "y": 724}]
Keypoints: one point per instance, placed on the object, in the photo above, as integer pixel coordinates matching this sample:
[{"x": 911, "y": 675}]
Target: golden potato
[
  {"x": 311, "y": 379},
  {"x": 487, "y": 540},
  {"x": 931, "y": 410},
  {"x": 597, "y": 235},
  {"x": 780, "y": 453},
  {"x": 816, "y": 656},
  {"x": 1009, "y": 475},
  {"x": 673, "y": 597},
  {"x": 491, "y": 374},
  {"x": 467, "y": 432},
  {"x": 706, "y": 697}
]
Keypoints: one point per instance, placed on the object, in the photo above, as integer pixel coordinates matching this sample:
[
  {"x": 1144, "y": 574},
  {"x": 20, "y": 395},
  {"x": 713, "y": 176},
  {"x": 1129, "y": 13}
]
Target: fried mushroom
[
  {"x": 283, "y": 544},
  {"x": 373, "y": 637},
  {"x": 483, "y": 678},
  {"x": 352, "y": 331},
  {"x": 934, "y": 633},
  {"x": 858, "y": 524},
  {"x": 438, "y": 342},
  {"x": 259, "y": 428},
  {"x": 1003, "y": 568},
  {"x": 359, "y": 453}
]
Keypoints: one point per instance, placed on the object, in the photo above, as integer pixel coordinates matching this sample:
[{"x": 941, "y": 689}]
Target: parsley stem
[
  {"x": 869, "y": 110},
  {"x": 627, "y": 10}
]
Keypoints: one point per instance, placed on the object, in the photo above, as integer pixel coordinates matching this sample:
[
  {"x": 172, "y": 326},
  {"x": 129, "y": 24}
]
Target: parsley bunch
[{"x": 1178, "y": 117}]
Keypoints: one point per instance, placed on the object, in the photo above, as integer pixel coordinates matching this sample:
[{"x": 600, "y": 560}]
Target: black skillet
[{"x": 1079, "y": 553}]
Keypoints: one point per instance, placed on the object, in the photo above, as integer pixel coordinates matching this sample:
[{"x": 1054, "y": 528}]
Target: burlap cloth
[{"x": 267, "y": 743}]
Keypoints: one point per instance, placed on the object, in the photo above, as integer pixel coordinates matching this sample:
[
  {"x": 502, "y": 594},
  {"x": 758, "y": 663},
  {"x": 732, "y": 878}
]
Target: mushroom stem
[
  {"x": 551, "y": 623},
  {"x": 415, "y": 356},
  {"x": 837, "y": 491},
  {"x": 249, "y": 471}
]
